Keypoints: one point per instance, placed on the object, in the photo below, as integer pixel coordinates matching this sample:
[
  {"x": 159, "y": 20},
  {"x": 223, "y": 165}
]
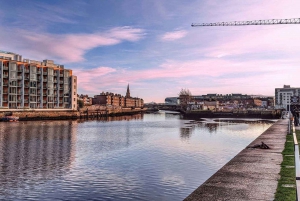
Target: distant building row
[
  {"x": 118, "y": 100},
  {"x": 228, "y": 101}
]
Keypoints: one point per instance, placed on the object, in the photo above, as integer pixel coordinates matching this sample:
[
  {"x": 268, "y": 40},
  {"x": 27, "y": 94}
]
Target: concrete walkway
[{"x": 252, "y": 174}]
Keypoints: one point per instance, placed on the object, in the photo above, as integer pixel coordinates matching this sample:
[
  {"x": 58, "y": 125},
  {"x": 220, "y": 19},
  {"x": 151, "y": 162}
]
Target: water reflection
[
  {"x": 186, "y": 132},
  {"x": 33, "y": 152},
  {"x": 139, "y": 157},
  {"x": 116, "y": 118}
]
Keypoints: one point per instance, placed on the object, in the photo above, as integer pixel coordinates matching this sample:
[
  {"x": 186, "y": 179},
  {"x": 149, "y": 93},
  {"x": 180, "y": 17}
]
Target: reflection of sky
[{"x": 145, "y": 159}]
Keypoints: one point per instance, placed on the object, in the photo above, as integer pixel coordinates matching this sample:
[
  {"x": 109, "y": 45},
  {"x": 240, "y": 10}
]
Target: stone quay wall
[
  {"x": 61, "y": 114},
  {"x": 252, "y": 174}
]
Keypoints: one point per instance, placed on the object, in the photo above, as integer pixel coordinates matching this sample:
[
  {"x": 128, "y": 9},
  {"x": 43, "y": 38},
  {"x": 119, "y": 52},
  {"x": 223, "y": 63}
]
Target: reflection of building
[
  {"x": 35, "y": 151},
  {"x": 118, "y": 100},
  {"x": 283, "y": 96},
  {"x": 34, "y": 84}
]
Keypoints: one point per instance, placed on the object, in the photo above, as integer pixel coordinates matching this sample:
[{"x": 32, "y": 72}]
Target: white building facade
[{"x": 283, "y": 96}]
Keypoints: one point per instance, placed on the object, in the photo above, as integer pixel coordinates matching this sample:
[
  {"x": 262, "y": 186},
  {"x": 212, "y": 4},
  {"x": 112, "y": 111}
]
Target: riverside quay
[{"x": 35, "y": 85}]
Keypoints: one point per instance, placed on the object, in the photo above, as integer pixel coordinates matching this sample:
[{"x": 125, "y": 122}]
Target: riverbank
[
  {"x": 252, "y": 174},
  {"x": 64, "y": 114},
  {"x": 262, "y": 114}
]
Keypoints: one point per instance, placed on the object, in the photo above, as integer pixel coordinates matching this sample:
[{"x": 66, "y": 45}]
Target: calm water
[{"x": 146, "y": 157}]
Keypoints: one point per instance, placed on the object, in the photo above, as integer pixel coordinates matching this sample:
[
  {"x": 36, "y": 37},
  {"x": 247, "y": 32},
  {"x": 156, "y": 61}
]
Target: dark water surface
[{"x": 146, "y": 157}]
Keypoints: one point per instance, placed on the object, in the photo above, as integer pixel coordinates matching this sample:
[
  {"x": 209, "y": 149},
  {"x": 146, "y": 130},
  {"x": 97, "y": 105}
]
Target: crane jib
[{"x": 254, "y": 22}]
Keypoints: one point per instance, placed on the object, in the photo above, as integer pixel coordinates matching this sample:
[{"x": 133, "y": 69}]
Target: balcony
[
  {"x": 26, "y": 85},
  {"x": 19, "y": 77},
  {"x": 19, "y": 70},
  {"x": 61, "y": 88},
  {"x": 44, "y": 94},
  {"x": 45, "y": 87},
  {"x": 26, "y": 71},
  {"x": 45, "y": 73},
  {"x": 5, "y": 92},
  {"x": 5, "y": 68},
  {"x": 55, "y": 81},
  {"x": 55, "y": 74},
  {"x": 26, "y": 78},
  {"x": 61, "y": 75},
  {"x": 60, "y": 102},
  {"x": 60, "y": 95},
  {"x": 4, "y": 99},
  {"x": 5, "y": 75},
  {"x": 45, "y": 80},
  {"x": 26, "y": 101},
  {"x": 19, "y": 101},
  {"x": 38, "y": 72},
  {"x": 61, "y": 82},
  {"x": 5, "y": 83}
]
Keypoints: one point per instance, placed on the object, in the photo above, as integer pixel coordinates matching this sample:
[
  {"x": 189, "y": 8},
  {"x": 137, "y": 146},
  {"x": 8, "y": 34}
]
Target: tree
[
  {"x": 80, "y": 103},
  {"x": 185, "y": 92},
  {"x": 185, "y": 96}
]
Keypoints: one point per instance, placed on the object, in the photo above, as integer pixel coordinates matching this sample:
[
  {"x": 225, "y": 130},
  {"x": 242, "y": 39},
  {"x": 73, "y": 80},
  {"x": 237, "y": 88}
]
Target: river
[{"x": 155, "y": 156}]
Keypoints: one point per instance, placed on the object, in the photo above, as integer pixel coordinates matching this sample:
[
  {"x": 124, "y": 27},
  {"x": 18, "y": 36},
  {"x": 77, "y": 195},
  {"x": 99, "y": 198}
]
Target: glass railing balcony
[
  {"x": 26, "y": 71},
  {"x": 5, "y": 68}
]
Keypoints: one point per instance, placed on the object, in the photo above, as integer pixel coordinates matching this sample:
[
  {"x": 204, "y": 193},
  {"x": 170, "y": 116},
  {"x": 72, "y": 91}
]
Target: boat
[{"x": 10, "y": 118}]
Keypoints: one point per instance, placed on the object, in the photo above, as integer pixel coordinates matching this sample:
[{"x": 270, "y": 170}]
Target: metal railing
[{"x": 297, "y": 160}]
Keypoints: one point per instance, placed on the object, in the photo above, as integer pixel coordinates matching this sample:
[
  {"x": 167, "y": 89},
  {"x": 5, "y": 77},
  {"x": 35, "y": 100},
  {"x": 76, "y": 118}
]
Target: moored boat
[{"x": 10, "y": 118}]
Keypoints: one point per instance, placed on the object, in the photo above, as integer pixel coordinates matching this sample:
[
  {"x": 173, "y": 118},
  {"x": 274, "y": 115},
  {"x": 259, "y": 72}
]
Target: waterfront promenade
[{"x": 250, "y": 175}]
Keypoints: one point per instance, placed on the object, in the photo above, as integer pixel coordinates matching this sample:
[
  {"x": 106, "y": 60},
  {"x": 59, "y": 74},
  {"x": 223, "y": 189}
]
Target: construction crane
[{"x": 253, "y": 22}]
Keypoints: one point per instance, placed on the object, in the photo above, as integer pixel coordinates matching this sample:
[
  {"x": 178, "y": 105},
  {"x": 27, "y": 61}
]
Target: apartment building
[
  {"x": 35, "y": 85},
  {"x": 283, "y": 96}
]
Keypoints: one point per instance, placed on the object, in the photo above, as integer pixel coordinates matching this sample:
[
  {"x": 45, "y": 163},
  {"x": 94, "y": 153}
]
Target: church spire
[{"x": 128, "y": 92}]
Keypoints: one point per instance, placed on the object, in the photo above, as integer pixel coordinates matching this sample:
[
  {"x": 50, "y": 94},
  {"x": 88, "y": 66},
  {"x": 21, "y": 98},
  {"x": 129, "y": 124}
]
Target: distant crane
[{"x": 253, "y": 22}]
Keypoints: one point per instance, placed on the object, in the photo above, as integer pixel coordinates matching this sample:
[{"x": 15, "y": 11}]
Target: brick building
[{"x": 118, "y": 100}]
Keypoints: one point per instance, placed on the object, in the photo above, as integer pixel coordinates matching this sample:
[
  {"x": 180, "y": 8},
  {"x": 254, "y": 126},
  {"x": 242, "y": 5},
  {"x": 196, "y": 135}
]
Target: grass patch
[{"x": 287, "y": 175}]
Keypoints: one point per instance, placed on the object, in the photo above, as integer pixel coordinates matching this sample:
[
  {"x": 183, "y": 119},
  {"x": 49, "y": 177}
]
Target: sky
[{"x": 151, "y": 45}]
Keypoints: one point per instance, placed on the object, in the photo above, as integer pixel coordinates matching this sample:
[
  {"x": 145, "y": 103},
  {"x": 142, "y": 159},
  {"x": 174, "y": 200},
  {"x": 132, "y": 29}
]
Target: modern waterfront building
[
  {"x": 172, "y": 101},
  {"x": 283, "y": 96},
  {"x": 35, "y": 85}
]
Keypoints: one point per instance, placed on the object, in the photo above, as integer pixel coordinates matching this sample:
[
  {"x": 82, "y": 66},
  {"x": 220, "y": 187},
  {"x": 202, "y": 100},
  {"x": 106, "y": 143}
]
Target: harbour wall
[
  {"x": 61, "y": 114},
  {"x": 242, "y": 114}
]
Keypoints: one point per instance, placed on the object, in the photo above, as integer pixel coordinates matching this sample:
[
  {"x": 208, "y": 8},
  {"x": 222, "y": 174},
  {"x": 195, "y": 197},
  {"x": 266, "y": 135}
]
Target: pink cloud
[
  {"x": 68, "y": 47},
  {"x": 264, "y": 73},
  {"x": 175, "y": 35}
]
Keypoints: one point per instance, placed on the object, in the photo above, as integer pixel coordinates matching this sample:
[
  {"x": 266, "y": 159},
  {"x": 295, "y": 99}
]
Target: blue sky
[{"x": 151, "y": 45}]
